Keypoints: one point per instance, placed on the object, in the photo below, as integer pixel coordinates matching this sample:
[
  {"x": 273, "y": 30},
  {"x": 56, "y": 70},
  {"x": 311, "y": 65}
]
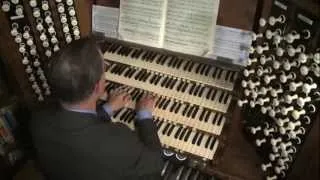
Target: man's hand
[
  {"x": 118, "y": 99},
  {"x": 146, "y": 103}
]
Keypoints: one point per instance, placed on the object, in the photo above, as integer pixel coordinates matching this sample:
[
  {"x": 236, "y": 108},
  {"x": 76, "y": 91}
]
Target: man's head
[{"x": 76, "y": 72}]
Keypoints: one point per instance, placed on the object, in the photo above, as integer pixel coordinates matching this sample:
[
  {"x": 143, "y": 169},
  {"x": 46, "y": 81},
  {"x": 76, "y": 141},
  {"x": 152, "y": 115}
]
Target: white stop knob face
[
  {"x": 262, "y": 22},
  {"x": 33, "y": 3},
  {"x": 316, "y": 58},
  {"x": 5, "y": 6},
  {"x": 304, "y": 70}
]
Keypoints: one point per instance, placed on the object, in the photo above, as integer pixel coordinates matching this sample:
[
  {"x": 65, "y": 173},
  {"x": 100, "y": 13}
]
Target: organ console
[{"x": 192, "y": 98}]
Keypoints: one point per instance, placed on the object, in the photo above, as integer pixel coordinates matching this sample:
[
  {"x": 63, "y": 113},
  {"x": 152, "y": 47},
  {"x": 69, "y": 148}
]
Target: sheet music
[
  {"x": 141, "y": 21},
  {"x": 105, "y": 20},
  {"x": 190, "y": 26},
  {"x": 231, "y": 43}
]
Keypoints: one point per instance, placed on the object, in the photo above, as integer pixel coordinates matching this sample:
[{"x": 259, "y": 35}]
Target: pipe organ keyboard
[
  {"x": 192, "y": 98},
  {"x": 281, "y": 85}
]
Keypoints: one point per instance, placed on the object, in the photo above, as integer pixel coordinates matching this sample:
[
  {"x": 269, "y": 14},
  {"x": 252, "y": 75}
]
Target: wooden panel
[
  {"x": 239, "y": 159},
  {"x": 83, "y": 8},
  {"x": 306, "y": 165},
  {"x": 237, "y": 14},
  {"x": 11, "y": 57}
]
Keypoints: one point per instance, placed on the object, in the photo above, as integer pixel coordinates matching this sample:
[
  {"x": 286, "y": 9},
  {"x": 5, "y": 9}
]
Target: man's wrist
[
  {"x": 143, "y": 114},
  {"x": 108, "y": 109}
]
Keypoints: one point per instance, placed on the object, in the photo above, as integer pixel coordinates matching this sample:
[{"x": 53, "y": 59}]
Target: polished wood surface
[{"x": 12, "y": 59}]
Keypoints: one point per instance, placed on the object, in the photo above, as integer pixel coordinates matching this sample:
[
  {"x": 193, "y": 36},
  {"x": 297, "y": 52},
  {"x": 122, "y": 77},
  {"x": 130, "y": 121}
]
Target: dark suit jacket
[{"x": 72, "y": 145}]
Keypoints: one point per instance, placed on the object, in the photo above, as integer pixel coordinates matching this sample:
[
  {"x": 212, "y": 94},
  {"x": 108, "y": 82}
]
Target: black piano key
[
  {"x": 215, "y": 118},
  {"x": 127, "y": 72},
  {"x": 139, "y": 53},
  {"x": 209, "y": 92},
  {"x": 128, "y": 51},
  {"x": 138, "y": 75},
  {"x": 213, "y": 94},
  {"x": 170, "y": 130},
  {"x": 166, "y": 85},
  {"x": 179, "y": 87},
  {"x": 140, "y": 95},
  {"x": 195, "y": 137},
  {"x": 178, "y": 132},
  {"x": 124, "y": 114},
  {"x": 183, "y": 133},
  {"x": 202, "y": 114},
  {"x": 162, "y": 102},
  {"x": 164, "y": 81},
  {"x": 186, "y": 65},
  {"x": 121, "y": 50},
  {"x": 164, "y": 59},
  {"x": 195, "y": 112},
  {"x": 201, "y": 91},
  {"x": 212, "y": 143},
  {"x": 165, "y": 106},
  {"x": 227, "y": 76},
  {"x": 144, "y": 56},
  {"x": 154, "y": 57},
  {"x": 179, "y": 63},
  {"x": 149, "y": 56},
  {"x": 220, "y": 73},
  {"x": 158, "y": 79},
  {"x": 170, "y": 62},
  {"x": 132, "y": 117},
  {"x": 185, "y": 110},
  {"x": 199, "y": 65},
  {"x": 173, "y": 106},
  {"x": 165, "y": 129},
  {"x": 220, "y": 120},
  {"x": 117, "y": 113},
  {"x": 206, "y": 73},
  {"x": 160, "y": 124},
  {"x": 225, "y": 100},
  {"x": 190, "y": 111},
  {"x": 200, "y": 139},
  {"x": 178, "y": 108},
  {"x": 196, "y": 90},
  {"x": 158, "y": 101},
  {"x": 147, "y": 76},
  {"x": 152, "y": 78},
  {"x": 215, "y": 72},
  {"x": 110, "y": 47},
  {"x": 135, "y": 51},
  {"x": 185, "y": 87},
  {"x": 160, "y": 59},
  {"x": 208, "y": 141},
  {"x": 187, "y": 135},
  {"x": 118, "y": 46},
  {"x": 191, "y": 66},
  {"x": 192, "y": 88},
  {"x": 203, "y": 69},
  {"x": 221, "y": 96},
  {"x": 174, "y": 82},
  {"x": 206, "y": 118},
  {"x": 232, "y": 76},
  {"x": 132, "y": 73},
  {"x": 175, "y": 62}
]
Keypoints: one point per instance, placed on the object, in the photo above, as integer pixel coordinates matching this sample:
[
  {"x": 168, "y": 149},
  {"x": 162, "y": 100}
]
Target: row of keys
[
  {"x": 171, "y": 135},
  {"x": 165, "y": 85},
  {"x": 172, "y": 65},
  {"x": 179, "y": 112}
]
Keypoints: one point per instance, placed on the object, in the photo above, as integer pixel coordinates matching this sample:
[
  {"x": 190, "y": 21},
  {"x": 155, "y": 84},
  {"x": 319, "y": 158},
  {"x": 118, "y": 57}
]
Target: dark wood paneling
[{"x": 11, "y": 57}]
